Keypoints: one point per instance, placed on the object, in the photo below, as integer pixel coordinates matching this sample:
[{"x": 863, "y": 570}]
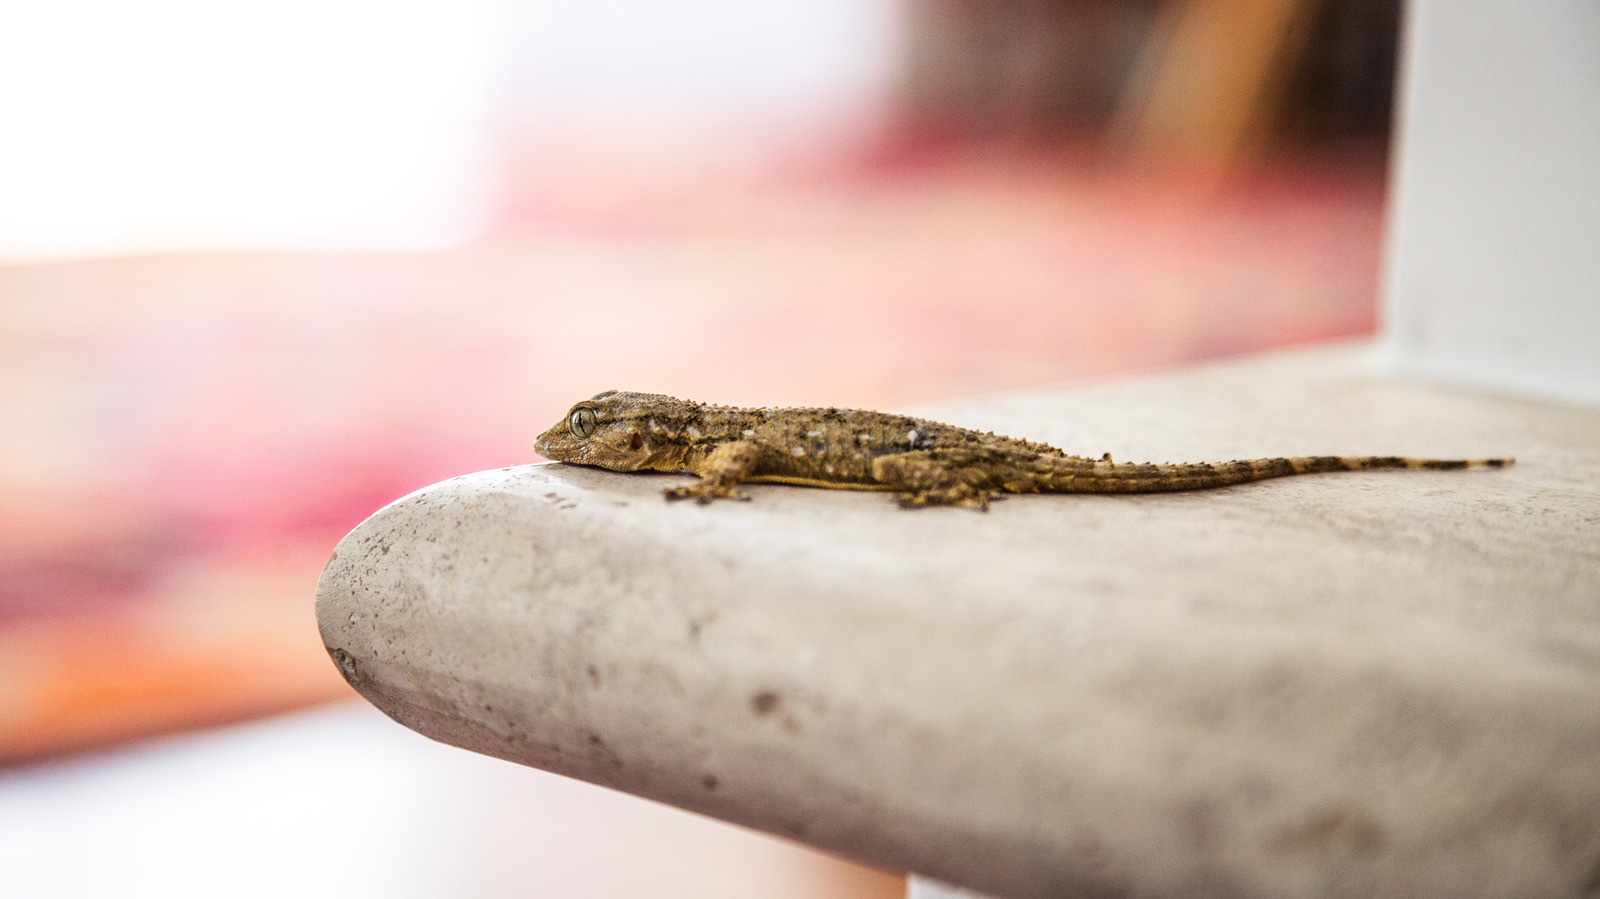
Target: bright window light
[{"x": 170, "y": 125}]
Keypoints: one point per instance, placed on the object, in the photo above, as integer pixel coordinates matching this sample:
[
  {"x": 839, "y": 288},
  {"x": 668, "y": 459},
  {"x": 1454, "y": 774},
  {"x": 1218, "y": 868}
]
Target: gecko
[{"x": 924, "y": 463}]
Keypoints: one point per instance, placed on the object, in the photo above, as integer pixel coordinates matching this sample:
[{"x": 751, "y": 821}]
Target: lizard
[{"x": 925, "y": 463}]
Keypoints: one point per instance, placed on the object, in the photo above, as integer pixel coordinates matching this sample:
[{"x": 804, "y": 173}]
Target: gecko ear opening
[
  {"x": 582, "y": 422},
  {"x": 638, "y": 440}
]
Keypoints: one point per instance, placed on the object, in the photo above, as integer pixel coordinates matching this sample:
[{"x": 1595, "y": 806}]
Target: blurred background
[{"x": 267, "y": 266}]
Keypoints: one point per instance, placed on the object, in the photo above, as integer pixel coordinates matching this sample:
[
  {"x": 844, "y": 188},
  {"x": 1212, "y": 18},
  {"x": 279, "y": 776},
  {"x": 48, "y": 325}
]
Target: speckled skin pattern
[{"x": 924, "y": 462}]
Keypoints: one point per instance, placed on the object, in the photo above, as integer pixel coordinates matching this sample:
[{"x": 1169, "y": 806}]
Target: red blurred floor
[{"x": 186, "y": 437}]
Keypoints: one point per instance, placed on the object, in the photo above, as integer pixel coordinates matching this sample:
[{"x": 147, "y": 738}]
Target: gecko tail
[
  {"x": 1364, "y": 463},
  {"x": 1106, "y": 477}
]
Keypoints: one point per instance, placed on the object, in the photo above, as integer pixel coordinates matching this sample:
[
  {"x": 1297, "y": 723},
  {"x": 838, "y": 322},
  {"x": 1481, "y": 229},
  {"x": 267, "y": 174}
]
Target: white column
[{"x": 1494, "y": 254}]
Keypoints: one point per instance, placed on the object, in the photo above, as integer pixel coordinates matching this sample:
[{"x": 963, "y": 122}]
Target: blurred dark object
[
  {"x": 1343, "y": 89},
  {"x": 1214, "y": 79},
  {"x": 1034, "y": 69}
]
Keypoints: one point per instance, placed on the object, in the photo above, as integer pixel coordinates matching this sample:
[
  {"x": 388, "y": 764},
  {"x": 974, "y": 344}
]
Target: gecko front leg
[{"x": 720, "y": 473}]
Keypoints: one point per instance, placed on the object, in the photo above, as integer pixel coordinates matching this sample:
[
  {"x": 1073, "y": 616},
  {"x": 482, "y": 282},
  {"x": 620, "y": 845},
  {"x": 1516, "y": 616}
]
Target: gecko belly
[{"x": 796, "y": 481}]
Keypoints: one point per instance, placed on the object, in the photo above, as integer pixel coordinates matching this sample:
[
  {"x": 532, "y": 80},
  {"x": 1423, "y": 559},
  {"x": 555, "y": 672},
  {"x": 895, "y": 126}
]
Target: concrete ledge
[{"x": 1340, "y": 685}]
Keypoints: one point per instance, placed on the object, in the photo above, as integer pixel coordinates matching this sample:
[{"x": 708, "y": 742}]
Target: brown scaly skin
[{"x": 926, "y": 463}]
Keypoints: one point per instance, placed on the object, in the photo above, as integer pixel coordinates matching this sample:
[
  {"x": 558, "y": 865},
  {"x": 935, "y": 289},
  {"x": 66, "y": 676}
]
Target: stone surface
[{"x": 1341, "y": 685}]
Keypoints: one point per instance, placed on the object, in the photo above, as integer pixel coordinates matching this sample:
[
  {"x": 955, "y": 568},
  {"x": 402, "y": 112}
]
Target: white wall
[
  {"x": 131, "y": 126},
  {"x": 698, "y": 57},
  {"x": 1494, "y": 255},
  {"x": 163, "y": 125}
]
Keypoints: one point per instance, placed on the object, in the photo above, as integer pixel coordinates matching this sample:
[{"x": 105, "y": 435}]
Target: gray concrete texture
[{"x": 1382, "y": 683}]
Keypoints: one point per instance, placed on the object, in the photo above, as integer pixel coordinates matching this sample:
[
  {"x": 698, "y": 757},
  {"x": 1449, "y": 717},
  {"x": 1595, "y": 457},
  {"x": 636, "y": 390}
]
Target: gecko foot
[
  {"x": 704, "y": 492},
  {"x": 955, "y": 496}
]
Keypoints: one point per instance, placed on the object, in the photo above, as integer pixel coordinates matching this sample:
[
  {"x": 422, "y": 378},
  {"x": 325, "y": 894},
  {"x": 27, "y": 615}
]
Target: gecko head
[{"x": 618, "y": 430}]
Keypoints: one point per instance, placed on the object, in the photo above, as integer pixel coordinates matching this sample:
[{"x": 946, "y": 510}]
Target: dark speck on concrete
[
  {"x": 347, "y": 664},
  {"x": 1334, "y": 830},
  {"x": 765, "y": 703},
  {"x": 600, "y": 750},
  {"x": 1591, "y": 890}
]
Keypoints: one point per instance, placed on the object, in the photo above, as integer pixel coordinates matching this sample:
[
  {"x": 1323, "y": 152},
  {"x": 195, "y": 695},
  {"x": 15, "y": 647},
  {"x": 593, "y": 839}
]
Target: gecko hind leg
[{"x": 937, "y": 478}]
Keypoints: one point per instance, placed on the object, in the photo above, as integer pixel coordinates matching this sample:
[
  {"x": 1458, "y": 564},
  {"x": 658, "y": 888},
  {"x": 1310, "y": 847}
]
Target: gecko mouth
[
  {"x": 551, "y": 446},
  {"x": 557, "y": 449}
]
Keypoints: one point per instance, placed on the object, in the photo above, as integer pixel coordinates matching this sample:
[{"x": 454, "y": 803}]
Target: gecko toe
[
  {"x": 704, "y": 493},
  {"x": 918, "y": 499}
]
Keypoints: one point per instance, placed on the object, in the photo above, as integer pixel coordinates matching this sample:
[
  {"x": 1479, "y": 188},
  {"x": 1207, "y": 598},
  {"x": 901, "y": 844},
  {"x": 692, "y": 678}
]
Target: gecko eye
[{"x": 582, "y": 422}]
